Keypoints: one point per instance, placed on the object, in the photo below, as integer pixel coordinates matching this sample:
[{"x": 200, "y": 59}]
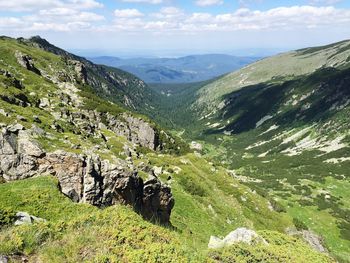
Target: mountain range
[
  {"x": 98, "y": 166},
  {"x": 177, "y": 70}
]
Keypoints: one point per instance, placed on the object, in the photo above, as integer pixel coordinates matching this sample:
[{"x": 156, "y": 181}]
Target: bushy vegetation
[{"x": 281, "y": 248}]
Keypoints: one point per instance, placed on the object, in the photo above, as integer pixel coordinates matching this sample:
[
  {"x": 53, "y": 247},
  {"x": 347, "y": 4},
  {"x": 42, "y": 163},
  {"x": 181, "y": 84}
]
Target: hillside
[
  {"x": 281, "y": 124},
  {"x": 84, "y": 179},
  {"x": 187, "y": 69}
]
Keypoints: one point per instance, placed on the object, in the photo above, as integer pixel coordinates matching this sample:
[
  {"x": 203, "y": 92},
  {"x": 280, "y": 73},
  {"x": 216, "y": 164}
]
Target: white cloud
[
  {"x": 153, "y": 2},
  {"x": 324, "y": 2},
  {"x": 171, "y": 19},
  {"x": 209, "y": 2},
  {"x": 127, "y": 13},
  {"x": 33, "y": 5}
]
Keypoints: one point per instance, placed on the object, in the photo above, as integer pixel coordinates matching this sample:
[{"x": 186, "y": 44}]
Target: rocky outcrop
[
  {"x": 80, "y": 70},
  {"x": 26, "y": 62},
  {"x": 84, "y": 178},
  {"x": 135, "y": 130},
  {"x": 18, "y": 154},
  {"x": 239, "y": 235}
]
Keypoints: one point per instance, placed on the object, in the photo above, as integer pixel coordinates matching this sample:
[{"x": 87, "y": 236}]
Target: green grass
[{"x": 82, "y": 233}]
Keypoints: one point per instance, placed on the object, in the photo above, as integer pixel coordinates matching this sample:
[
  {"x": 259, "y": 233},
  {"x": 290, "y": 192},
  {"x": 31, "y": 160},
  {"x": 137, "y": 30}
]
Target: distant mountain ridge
[{"x": 186, "y": 69}]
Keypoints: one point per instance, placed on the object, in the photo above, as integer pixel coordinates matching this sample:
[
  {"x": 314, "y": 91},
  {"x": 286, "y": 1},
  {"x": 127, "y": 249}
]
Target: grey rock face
[
  {"x": 239, "y": 235},
  {"x": 80, "y": 69},
  {"x": 18, "y": 154},
  {"x": 26, "y": 62},
  {"x": 84, "y": 178},
  {"x": 135, "y": 130}
]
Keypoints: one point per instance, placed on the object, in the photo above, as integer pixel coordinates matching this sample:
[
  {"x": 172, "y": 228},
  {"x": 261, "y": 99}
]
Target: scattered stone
[
  {"x": 21, "y": 118},
  {"x": 157, "y": 170},
  {"x": 196, "y": 146},
  {"x": 25, "y": 218},
  {"x": 36, "y": 119},
  {"x": 239, "y": 235},
  {"x": 44, "y": 103},
  {"x": 15, "y": 128}
]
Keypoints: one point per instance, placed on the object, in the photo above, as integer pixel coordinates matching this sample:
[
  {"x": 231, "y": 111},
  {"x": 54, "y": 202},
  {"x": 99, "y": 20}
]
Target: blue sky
[{"x": 178, "y": 27}]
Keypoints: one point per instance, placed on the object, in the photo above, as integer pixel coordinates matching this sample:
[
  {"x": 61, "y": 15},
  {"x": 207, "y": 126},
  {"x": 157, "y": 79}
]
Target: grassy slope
[
  {"x": 309, "y": 188},
  {"x": 284, "y": 66},
  {"x": 83, "y": 233},
  {"x": 208, "y": 200}
]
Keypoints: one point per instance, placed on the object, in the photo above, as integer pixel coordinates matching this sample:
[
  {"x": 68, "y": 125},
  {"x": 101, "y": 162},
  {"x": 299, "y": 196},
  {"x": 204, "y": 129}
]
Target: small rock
[
  {"x": 157, "y": 170},
  {"x": 3, "y": 259},
  {"x": 3, "y": 112},
  {"x": 21, "y": 118},
  {"x": 44, "y": 102},
  {"x": 36, "y": 119},
  {"x": 15, "y": 128},
  {"x": 25, "y": 218}
]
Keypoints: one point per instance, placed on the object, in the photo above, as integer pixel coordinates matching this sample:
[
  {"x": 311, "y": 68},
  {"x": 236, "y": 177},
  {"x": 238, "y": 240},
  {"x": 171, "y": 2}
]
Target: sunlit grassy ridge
[{"x": 276, "y": 69}]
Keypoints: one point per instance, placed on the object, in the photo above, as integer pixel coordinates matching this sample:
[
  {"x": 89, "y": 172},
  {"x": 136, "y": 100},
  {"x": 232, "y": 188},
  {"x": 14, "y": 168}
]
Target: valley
[
  {"x": 281, "y": 125},
  {"x": 102, "y": 162}
]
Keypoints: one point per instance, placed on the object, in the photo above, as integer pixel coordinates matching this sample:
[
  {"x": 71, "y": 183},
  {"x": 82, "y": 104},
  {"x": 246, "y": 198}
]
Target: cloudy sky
[{"x": 174, "y": 27}]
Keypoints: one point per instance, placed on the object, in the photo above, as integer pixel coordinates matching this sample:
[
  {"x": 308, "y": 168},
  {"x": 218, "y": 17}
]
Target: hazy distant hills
[{"x": 178, "y": 70}]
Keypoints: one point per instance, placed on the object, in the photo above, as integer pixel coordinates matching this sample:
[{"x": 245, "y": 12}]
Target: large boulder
[
  {"x": 157, "y": 201},
  {"x": 241, "y": 234}
]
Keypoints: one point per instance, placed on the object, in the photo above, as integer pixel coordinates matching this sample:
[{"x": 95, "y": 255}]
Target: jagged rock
[
  {"x": 157, "y": 170},
  {"x": 84, "y": 178},
  {"x": 239, "y": 235},
  {"x": 196, "y": 146},
  {"x": 18, "y": 153},
  {"x": 15, "y": 128},
  {"x": 68, "y": 168},
  {"x": 157, "y": 201},
  {"x": 27, "y": 146},
  {"x": 80, "y": 69},
  {"x": 135, "y": 130},
  {"x": 44, "y": 102},
  {"x": 26, "y": 62},
  {"x": 25, "y": 218}
]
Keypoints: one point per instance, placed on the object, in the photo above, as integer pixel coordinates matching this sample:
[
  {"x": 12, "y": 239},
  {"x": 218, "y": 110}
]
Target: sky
[{"x": 178, "y": 27}]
